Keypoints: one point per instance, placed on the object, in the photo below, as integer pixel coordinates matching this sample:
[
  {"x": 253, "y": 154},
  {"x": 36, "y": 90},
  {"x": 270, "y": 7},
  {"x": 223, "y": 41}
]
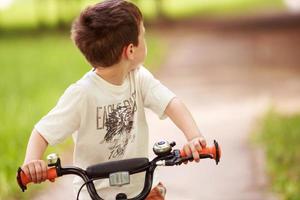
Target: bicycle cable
[{"x": 91, "y": 180}]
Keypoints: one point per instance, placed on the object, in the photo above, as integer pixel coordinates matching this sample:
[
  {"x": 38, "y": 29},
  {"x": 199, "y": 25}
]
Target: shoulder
[
  {"x": 79, "y": 88},
  {"x": 143, "y": 72},
  {"x": 74, "y": 91},
  {"x": 142, "y": 69},
  {"x": 84, "y": 85}
]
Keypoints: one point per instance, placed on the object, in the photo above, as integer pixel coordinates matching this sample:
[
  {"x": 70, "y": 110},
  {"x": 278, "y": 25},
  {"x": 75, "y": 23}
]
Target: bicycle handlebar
[{"x": 165, "y": 157}]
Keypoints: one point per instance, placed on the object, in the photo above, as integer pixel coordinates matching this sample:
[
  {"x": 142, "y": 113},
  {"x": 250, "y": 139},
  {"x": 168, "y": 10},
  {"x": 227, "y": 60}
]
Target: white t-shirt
[{"x": 107, "y": 123}]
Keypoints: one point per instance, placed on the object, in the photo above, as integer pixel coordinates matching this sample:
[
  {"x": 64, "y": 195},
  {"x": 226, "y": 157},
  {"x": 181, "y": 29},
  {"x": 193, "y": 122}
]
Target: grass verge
[{"x": 280, "y": 136}]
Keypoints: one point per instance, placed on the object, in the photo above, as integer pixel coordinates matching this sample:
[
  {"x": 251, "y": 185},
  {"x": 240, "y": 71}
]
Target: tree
[
  {"x": 40, "y": 11},
  {"x": 66, "y": 11},
  {"x": 159, "y": 9}
]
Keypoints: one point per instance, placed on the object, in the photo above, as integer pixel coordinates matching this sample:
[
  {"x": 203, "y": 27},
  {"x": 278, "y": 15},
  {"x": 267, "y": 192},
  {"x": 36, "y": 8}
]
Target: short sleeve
[
  {"x": 156, "y": 96},
  {"x": 64, "y": 118}
]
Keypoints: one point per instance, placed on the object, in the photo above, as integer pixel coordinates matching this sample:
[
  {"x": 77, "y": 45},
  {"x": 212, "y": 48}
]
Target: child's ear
[{"x": 129, "y": 52}]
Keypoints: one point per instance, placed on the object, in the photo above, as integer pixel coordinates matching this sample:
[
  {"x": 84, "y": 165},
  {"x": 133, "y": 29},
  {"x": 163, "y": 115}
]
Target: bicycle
[{"x": 118, "y": 172}]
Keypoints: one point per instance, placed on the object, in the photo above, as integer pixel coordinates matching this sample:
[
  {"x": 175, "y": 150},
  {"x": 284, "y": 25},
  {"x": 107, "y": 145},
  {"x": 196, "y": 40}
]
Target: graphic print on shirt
[{"x": 117, "y": 119}]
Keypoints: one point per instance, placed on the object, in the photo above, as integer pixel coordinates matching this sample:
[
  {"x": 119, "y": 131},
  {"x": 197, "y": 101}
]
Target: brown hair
[{"x": 104, "y": 29}]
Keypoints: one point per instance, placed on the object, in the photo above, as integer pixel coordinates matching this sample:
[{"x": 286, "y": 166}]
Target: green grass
[
  {"x": 35, "y": 70},
  {"x": 280, "y": 135}
]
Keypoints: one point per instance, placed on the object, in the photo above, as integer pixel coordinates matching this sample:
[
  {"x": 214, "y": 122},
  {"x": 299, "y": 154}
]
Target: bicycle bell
[
  {"x": 52, "y": 159},
  {"x": 162, "y": 148}
]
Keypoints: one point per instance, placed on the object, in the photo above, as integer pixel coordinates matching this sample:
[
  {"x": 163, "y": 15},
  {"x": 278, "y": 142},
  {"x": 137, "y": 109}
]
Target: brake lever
[{"x": 176, "y": 158}]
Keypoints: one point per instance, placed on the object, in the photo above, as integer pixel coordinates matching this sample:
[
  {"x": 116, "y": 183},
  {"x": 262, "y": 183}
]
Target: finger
[
  {"x": 202, "y": 141},
  {"x": 38, "y": 171},
  {"x": 44, "y": 170},
  {"x": 187, "y": 152},
  {"x": 194, "y": 153},
  {"x": 198, "y": 146},
  {"x": 32, "y": 172}
]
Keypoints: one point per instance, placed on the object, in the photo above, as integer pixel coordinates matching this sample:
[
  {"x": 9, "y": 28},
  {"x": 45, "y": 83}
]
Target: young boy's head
[{"x": 109, "y": 31}]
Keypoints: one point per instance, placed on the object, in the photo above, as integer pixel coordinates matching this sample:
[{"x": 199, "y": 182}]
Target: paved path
[
  {"x": 221, "y": 78},
  {"x": 226, "y": 89}
]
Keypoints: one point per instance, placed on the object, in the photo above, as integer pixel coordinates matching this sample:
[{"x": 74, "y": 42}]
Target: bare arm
[
  {"x": 35, "y": 147},
  {"x": 183, "y": 119},
  {"x": 33, "y": 166}
]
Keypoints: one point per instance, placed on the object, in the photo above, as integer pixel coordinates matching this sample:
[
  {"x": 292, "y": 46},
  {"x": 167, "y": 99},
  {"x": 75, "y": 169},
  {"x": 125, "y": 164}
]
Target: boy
[{"x": 104, "y": 110}]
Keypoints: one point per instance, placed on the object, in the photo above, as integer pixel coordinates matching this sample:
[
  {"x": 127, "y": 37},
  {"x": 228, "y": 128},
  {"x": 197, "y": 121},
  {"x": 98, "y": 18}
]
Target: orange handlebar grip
[
  {"x": 214, "y": 151},
  {"x": 24, "y": 179},
  {"x": 51, "y": 175},
  {"x": 207, "y": 150},
  {"x": 182, "y": 153}
]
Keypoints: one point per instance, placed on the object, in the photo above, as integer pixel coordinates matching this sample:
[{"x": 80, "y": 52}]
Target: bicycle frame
[{"x": 165, "y": 157}]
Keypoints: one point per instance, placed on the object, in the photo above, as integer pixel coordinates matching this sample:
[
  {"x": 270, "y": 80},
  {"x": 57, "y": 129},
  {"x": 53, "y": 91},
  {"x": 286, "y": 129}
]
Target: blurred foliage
[
  {"x": 35, "y": 70},
  {"x": 280, "y": 135},
  {"x": 175, "y": 9},
  {"x": 42, "y": 14}
]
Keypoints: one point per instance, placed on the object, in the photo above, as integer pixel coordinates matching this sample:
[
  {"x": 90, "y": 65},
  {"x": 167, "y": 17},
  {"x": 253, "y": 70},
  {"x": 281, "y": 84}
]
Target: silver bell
[
  {"x": 162, "y": 148},
  {"x": 52, "y": 158}
]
